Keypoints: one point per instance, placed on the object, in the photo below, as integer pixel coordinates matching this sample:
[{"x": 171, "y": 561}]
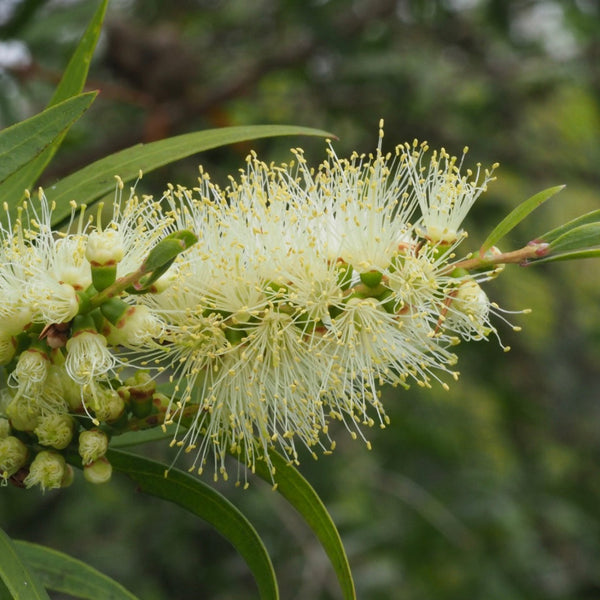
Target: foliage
[{"x": 487, "y": 492}]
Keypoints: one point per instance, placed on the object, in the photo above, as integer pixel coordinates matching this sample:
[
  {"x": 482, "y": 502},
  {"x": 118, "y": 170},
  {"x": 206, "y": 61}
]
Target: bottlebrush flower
[{"x": 307, "y": 290}]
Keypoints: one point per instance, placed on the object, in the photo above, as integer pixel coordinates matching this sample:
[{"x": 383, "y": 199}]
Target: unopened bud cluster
[
  {"x": 302, "y": 293},
  {"x": 60, "y": 339}
]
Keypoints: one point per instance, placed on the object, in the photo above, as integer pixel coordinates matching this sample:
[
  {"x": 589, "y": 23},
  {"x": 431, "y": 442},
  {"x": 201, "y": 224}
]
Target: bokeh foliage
[{"x": 490, "y": 491}]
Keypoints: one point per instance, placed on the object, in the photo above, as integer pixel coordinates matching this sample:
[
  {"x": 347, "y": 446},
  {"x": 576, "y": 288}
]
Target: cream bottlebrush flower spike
[{"x": 307, "y": 291}]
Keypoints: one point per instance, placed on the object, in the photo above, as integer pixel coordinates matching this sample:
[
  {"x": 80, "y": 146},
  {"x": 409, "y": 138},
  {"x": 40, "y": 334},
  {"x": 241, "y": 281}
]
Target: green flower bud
[
  {"x": 47, "y": 470},
  {"x": 93, "y": 445},
  {"x": 115, "y": 310},
  {"x": 371, "y": 278},
  {"x": 13, "y": 456},
  {"x": 22, "y": 416},
  {"x": 31, "y": 372},
  {"x": 137, "y": 328},
  {"x": 100, "y": 471},
  {"x": 55, "y": 431},
  {"x": 107, "y": 404}
]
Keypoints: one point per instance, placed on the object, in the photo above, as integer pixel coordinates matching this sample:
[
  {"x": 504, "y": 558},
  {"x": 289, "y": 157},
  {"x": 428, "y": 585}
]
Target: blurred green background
[{"x": 488, "y": 492}]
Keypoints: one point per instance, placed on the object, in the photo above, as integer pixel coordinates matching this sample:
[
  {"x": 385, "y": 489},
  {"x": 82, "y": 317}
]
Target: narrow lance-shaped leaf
[
  {"x": 579, "y": 238},
  {"x": 575, "y": 255},
  {"x": 22, "y": 142},
  {"x": 590, "y": 217},
  {"x": 75, "y": 75},
  {"x": 203, "y": 501},
  {"x": 136, "y": 438},
  {"x": 71, "y": 84},
  {"x": 17, "y": 577},
  {"x": 63, "y": 573},
  {"x": 517, "y": 215},
  {"x": 301, "y": 495},
  {"x": 96, "y": 180}
]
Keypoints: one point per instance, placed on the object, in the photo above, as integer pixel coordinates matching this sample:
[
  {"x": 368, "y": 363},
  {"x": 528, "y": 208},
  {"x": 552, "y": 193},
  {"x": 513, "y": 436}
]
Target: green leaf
[
  {"x": 76, "y": 73},
  {"x": 579, "y": 238},
  {"x": 517, "y": 215},
  {"x": 23, "y": 141},
  {"x": 590, "y": 217},
  {"x": 144, "y": 436},
  {"x": 70, "y": 85},
  {"x": 194, "y": 495},
  {"x": 63, "y": 573},
  {"x": 593, "y": 253},
  {"x": 98, "y": 179},
  {"x": 18, "y": 579},
  {"x": 301, "y": 495},
  {"x": 161, "y": 257}
]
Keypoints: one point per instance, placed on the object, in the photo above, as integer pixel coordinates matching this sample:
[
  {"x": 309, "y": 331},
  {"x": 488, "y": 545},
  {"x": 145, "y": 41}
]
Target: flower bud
[
  {"x": 55, "y": 431},
  {"x": 87, "y": 356},
  {"x": 472, "y": 301},
  {"x": 30, "y": 373},
  {"x": 108, "y": 406},
  {"x": 23, "y": 416},
  {"x": 47, "y": 470},
  {"x": 137, "y": 328},
  {"x": 13, "y": 456},
  {"x": 58, "y": 303},
  {"x": 469, "y": 311},
  {"x": 100, "y": 471},
  {"x": 93, "y": 445},
  {"x": 104, "y": 248},
  {"x": 371, "y": 278}
]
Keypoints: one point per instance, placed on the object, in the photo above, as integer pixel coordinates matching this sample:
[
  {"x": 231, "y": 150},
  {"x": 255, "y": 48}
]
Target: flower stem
[
  {"x": 531, "y": 251},
  {"x": 116, "y": 288}
]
